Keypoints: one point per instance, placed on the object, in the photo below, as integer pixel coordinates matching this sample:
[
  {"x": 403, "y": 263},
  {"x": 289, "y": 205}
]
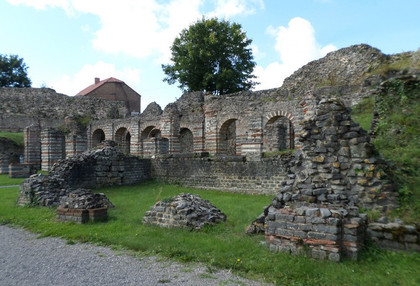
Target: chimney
[{"x": 97, "y": 79}]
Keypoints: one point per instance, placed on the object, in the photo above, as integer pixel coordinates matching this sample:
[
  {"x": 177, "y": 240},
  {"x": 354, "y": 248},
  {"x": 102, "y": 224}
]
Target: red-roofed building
[{"x": 113, "y": 89}]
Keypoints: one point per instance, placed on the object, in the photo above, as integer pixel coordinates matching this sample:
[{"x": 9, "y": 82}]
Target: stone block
[{"x": 336, "y": 257}]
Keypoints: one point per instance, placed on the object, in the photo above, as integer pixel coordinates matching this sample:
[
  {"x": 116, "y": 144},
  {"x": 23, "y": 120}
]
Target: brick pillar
[
  {"x": 52, "y": 148},
  {"x": 251, "y": 140},
  {"x": 211, "y": 134},
  {"x": 75, "y": 144},
  {"x": 32, "y": 141}
]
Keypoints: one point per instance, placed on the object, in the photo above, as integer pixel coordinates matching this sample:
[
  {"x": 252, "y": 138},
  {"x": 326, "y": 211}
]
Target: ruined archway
[
  {"x": 186, "y": 140},
  {"x": 279, "y": 134},
  {"x": 227, "y": 138},
  {"x": 97, "y": 137},
  {"x": 123, "y": 138}
]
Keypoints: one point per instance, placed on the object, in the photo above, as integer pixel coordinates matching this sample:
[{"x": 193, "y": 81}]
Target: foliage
[
  {"x": 397, "y": 63},
  {"x": 13, "y": 72},
  {"x": 279, "y": 153},
  {"x": 211, "y": 56},
  {"x": 223, "y": 246},
  {"x": 398, "y": 138},
  {"x": 17, "y": 137},
  {"x": 362, "y": 113}
]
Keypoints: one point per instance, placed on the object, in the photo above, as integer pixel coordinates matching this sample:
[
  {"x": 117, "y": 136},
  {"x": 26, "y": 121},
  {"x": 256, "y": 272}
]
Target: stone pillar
[
  {"x": 135, "y": 144},
  {"x": 32, "y": 141},
  {"x": 52, "y": 147},
  {"x": 251, "y": 141},
  {"x": 75, "y": 144},
  {"x": 210, "y": 128},
  {"x": 4, "y": 164},
  {"x": 198, "y": 138}
]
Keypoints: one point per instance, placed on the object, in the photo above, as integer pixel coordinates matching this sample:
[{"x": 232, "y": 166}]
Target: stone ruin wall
[
  {"x": 233, "y": 174},
  {"x": 202, "y": 140},
  {"x": 22, "y": 107},
  {"x": 105, "y": 165}
]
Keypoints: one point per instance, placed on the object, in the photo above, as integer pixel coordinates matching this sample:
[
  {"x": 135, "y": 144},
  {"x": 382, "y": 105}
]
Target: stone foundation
[
  {"x": 318, "y": 232},
  {"x": 395, "y": 235},
  {"x": 82, "y": 215}
]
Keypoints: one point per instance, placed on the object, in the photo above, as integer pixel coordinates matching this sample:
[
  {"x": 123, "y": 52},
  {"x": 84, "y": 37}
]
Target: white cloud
[
  {"x": 296, "y": 46},
  {"x": 230, "y": 8},
  {"x": 42, "y": 4},
  {"x": 144, "y": 28},
  {"x": 72, "y": 84}
]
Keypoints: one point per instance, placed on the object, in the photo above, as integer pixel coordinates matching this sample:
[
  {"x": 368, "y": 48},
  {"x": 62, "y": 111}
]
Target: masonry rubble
[
  {"x": 105, "y": 165},
  {"x": 82, "y": 205},
  {"x": 186, "y": 211}
]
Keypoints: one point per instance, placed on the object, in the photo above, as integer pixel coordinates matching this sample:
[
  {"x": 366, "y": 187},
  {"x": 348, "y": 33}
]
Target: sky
[{"x": 67, "y": 43}]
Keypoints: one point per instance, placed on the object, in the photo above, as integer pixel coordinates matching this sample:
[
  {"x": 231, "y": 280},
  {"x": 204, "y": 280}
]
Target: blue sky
[{"x": 67, "y": 43}]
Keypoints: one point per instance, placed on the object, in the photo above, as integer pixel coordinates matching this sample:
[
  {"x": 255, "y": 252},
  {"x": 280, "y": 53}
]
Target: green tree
[
  {"x": 211, "y": 56},
  {"x": 13, "y": 72}
]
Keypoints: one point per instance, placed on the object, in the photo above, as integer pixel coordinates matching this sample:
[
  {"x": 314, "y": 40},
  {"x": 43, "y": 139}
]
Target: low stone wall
[
  {"x": 21, "y": 170},
  {"x": 232, "y": 173},
  {"x": 81, "y": 215},
  {"x": 319, "y": 232},
  {"x": 395, "y": 235}
]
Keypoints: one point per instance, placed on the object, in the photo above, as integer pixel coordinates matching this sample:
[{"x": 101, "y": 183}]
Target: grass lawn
[
  {"x": 218, "y": 247},
  {"x": 14, "y": 136},
  {"x": 6, "y": 181}
]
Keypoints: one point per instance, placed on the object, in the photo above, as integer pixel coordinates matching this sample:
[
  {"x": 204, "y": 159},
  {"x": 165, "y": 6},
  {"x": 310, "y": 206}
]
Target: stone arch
[
  {"x": 123, "y": 139},
  {"x": 97, "y": 137},
  {"x": 152, "y": 141},
  {"x": 186, "y": 140},
  {"x": 227, "y": 138},
  {"x": 155, "y": 133},
  {"x": 146, "y": 131},
  {"x": 279, "y": 132}
]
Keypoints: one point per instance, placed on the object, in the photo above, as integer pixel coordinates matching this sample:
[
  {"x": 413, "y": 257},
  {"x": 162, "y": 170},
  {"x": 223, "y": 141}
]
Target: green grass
[
  {"x": 17, "y": 137},
  {"x": 362, "y": 113},
  {"x": 6, "y": 181},
  {"x": 218, "y": 247}
]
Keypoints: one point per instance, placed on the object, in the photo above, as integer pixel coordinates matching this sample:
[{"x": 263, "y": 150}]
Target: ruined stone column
[
  {"x": 32, "y": 141},
  {"x": 52, "y": 147},
  {"x": 75, "y": 144}
]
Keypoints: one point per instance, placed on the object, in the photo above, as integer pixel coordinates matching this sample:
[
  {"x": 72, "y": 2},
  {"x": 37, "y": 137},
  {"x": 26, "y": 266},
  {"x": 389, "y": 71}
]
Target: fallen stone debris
[{"x": 186, "y": 211}]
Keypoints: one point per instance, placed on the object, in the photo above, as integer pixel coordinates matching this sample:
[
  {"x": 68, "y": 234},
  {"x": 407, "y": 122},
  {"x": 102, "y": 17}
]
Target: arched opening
[
  {"x": 123, "y": 138},
  {"x": 279, "y": 134},
  {"x": 146, "y": 132},
  {"x": 155, "y": 133},
  {"x": 227, "y": 138},
  {"x": 153, "y": 143},
  {"x": 186, "y": 140},
  {"x": 97, "y": 137}
]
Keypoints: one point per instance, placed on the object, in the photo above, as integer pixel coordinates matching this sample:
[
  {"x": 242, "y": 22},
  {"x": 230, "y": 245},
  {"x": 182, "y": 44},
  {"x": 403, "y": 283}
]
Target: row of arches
[{"x": 278, "y": 134}]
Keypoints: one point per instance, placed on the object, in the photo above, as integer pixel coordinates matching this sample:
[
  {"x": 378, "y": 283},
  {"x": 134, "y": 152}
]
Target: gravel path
[{"x": 26, "y": 259}]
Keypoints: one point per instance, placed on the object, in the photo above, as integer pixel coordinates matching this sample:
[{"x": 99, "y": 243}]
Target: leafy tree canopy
[
  {"x": 13, "y": 72},
  {"x": 211, "y": 56}
]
